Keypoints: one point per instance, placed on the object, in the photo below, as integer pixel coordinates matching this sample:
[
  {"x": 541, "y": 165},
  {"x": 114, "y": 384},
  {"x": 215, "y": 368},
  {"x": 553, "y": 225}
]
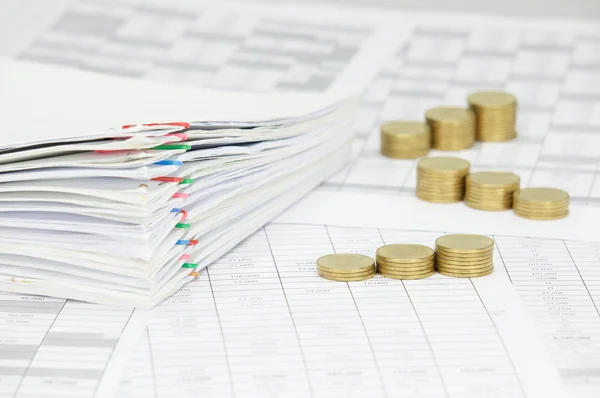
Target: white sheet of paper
[
  {"x": 261, "y": 322},
  {"x": 554, "y": 266},
  {"x": 58, "y": 348}
]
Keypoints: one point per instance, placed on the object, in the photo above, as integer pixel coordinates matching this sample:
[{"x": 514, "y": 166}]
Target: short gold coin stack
[
  {"x": 491, "y": 190},
  {"x": 464, "y": 256},
  {"x": 346, "y": 267},
  {"x": 405, "y": 140},
  {"x": 541, "y": 203},
  {"x": 441, "y": 179},
  {"x": 452, "y": 128},
  {"x": 495, "y": 115},
  {"x": 405, "y": 261}
]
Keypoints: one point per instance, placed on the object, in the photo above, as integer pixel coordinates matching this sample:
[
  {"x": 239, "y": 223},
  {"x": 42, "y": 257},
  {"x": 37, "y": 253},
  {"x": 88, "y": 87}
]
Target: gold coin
[
  {"x": 466, "y": 275},
  {"x": 404, "y": 129},
  {"x": 488, "y": 207},
  {"x": 444, "y": 164},
  {"x": 407, "y": 277},
  {"x": 492, "y": 99},
  {"x": 541, "y": 211},
  {"x": 407, "y": 265},
  {"x": 405, "y": 252},
  {"x": 349, "y": 279},
  {"x": 542, "y": 196},
  {"x": 404, "y": 155},
  {"x": 467, "y": 256},
  {"x": 345, "y": 263},
  {"x": 543, "y": 217},
  {"x": 450, "y": 114},
  {"x": 460, "y": 270},
  {"x": 345, "y": 274},
  {"x": 464, "y": 243},
  {"x": 394, "y": 268},
  {"x": 465, "y": 266},
  {"x": 423, "y": 270},
  {"x": 493, "y": 179},
  {"x": 479, "y": 256},
  {"x": 439, "y": 200}
]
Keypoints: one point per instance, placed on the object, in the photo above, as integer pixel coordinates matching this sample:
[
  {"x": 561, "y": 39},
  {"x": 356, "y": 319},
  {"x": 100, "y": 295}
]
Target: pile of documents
[{"x": 125, "y": 200}]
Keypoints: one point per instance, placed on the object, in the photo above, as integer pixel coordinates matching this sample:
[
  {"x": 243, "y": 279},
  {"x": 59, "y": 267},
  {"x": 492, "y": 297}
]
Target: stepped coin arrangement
[
  {"x": 452, "y": 128},
  {"x": 405, "y": 261},
  {"x": 441, "y": 179},
  {"x": 491, "y": 190},
  {"x": 541, "y": 203},
  {"x": 464, "y": 255},
  {"x": 495, "y": 114},
  {"x": 346, "y": 267},
  {"x": 405, "y": 140}
]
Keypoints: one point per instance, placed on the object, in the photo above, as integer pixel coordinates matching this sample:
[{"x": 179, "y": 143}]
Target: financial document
[
  {"x": 261, "y": 322},
  {"x": 58, "y": 348},
  {"x": 553, "y": 68},
  {"x": 556, "y": 277}
]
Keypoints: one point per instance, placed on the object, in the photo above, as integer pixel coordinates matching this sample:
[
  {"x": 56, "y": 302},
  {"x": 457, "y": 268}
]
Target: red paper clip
[
  {"x": 179, "y": 124},
  {"x": 185, "y": 215},
  {"x": 181, "y": 136},
  {"x": 185, "y": 257},
  {"x": 193, "y": 242},
  {"x": 167, "y": 179},
  {"x": 180, "y": 195}
]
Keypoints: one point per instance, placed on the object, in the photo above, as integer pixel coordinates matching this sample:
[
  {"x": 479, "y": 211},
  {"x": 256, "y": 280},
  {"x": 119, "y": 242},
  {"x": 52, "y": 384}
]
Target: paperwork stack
[{"x": 119, "y": 191}]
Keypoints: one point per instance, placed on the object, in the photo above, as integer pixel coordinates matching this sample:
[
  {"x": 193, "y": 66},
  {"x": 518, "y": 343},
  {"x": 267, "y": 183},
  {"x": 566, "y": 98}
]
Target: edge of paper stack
[{"x": 125, "y": 200}]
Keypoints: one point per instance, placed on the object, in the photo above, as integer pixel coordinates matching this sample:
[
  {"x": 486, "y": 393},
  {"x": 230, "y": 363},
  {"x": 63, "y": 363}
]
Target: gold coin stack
[
  {"x": 464, "y": 256},
  {"x": 541, "y": 203},
  {"x": 441, "y": 179},
  {"x": 491, "y": 190},
  {"x": 346, "y": 267},
  {"x": 405, "y": 261},
  {"x": 452, "y": 128},
  {"x": 405, "y": 140},
  {"x": 495, "y": 114}
]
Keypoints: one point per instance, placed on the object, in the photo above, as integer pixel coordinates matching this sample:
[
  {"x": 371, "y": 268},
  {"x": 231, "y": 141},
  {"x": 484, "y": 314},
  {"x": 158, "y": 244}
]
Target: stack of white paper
[{"x": 118, "y": 191}]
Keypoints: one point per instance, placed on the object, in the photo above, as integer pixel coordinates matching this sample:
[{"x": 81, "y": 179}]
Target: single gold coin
[
  {"x": 466, "y": 275},
  {"x": 349, "y": 278},
  {"x": 493, "y": 179},
  {"x": 464, "y": 243},
  {"x": 345, "y": 263},
  {"x": 345, "y": 274},
  {"x": 464, "y": 257},
  {"x": 465, "y": 267},
  {"x": 444, "y": 164},
  {"x": 404, "y": 130},
  {"x": 542, "y": 196},
  {"x": 405, "y": 252},
  {"x": 413, "y": 270},
  {"x": 407, "y": 277},
  {"x": 450, "y": 114},
  {"x": 492, "y": 99}
]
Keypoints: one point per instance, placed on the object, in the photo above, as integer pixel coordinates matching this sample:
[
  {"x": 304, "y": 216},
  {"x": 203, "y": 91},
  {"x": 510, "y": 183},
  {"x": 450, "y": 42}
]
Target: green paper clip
[
  {"x": 189, "y": 265},
  {"x": 173, "y": 146},
  {"x": 182, "y": 225},
  {"x": 187, "y": 181}
]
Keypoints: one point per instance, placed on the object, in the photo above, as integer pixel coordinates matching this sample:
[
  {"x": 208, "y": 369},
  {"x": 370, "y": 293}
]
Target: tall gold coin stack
[
  {"x": 464, "y": 256},
  {"x": 405, "y": 261},
  {"x": 491, "y": 190},
  {"x": 346, "y": 267},
  {"x": 495, "y": 114},
  {"x": 441, "y": 179},
  {"x": 541, "y": 203},
  {"x": 452, "y": 128},
  {"x": 405, "y": 140}
]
